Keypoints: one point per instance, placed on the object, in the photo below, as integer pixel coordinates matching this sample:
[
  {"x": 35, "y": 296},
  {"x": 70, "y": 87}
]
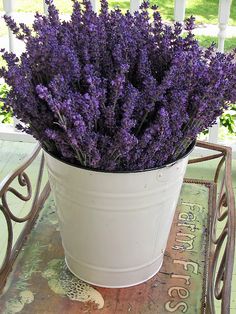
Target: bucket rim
[{"x": 170, "y": 164}]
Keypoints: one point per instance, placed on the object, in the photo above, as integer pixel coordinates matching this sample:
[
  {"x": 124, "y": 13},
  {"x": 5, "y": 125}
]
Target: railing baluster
[
  {"x": 223, "y": 18},
  {"x": 94, "y": 5},
  {"x": 214, "y": 132},
  {"x": 8, "y": 8},
  {"x": 45, "y": 8},
  {"x": 15, "y": 122},
  {"x": 179, "y": 10},
  {"x": 134, "y": 5}
]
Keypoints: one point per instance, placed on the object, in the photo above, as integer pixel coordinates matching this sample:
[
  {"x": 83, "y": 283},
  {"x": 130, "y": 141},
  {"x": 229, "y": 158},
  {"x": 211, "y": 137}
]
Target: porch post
[
  {"x": 8, "y": 8},
  {"x": 223, "y": 19},
  {"x": 134, "y": 5},
  {"x": 179, "y": 10}
]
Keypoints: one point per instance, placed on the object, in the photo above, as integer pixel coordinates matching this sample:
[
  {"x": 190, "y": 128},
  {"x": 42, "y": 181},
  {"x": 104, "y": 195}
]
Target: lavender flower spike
[{"x": 115, "y": 92}]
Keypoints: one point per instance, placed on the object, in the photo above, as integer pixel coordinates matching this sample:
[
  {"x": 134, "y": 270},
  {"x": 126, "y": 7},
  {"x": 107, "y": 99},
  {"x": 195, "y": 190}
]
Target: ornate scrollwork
[
  {"x": 37, "y": 196},
  {"x": 223, "y": 244},
  {"x": 24, "y": 181},
  {"x": 10, "y": 236}
]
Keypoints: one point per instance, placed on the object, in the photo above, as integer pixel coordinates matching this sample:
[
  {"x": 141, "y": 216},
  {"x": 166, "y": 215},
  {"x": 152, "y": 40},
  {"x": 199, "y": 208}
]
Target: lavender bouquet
[{"x": 112, "y": 91}]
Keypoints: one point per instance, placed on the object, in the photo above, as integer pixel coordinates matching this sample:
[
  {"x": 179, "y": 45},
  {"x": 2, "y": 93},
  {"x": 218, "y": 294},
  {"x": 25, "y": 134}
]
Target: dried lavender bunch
[{"x": 113, "y": 91}]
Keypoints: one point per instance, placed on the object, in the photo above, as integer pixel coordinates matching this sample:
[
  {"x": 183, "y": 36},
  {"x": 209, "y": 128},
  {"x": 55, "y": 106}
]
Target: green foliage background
[{"x": 5, "y": 117}]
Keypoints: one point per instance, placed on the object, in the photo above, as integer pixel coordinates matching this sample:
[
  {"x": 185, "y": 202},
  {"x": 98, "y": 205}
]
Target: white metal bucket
[{"x": 115, "y": 226}]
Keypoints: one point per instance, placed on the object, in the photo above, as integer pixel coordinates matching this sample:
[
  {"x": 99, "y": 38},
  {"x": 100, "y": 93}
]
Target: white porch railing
[{"x": 10, "y": 132}]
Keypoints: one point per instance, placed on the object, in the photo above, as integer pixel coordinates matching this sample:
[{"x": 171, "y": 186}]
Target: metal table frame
[{"x": 221, "y": 255}]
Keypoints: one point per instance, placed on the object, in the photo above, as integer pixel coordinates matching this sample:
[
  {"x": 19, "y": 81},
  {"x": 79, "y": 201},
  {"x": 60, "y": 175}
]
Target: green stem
[{"x": 142, "y": 122}]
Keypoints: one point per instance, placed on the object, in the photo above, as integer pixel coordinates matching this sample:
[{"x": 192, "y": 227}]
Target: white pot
[{"x": 115, "y": 226}]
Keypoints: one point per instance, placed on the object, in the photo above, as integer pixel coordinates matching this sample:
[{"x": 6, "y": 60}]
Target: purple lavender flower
[{"x": 113, "y": 91}]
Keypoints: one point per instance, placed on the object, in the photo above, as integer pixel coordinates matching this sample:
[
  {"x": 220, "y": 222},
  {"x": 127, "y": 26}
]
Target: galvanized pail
[{"x": 115, "y": 226}]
